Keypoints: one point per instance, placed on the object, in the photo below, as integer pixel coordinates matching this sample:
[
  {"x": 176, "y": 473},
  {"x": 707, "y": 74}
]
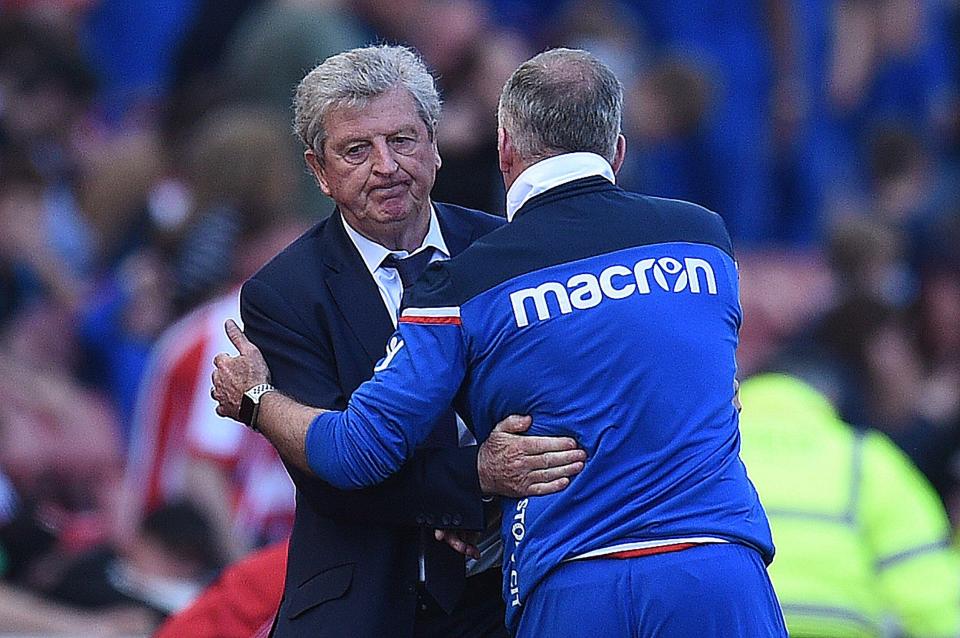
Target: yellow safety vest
[{"x": 861, "y": 536}]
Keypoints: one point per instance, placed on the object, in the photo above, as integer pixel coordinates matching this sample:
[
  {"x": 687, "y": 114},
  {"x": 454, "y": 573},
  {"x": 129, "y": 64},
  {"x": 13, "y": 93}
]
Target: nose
[{"x": 384, "y": 161}]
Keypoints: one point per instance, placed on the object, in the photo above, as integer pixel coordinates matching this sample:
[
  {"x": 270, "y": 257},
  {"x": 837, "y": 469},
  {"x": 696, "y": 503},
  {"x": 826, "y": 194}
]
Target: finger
[
  {"x": 462, "y": 547},
  {"x": 548, "y": 460},
  {"x": 237, "y": 338},
  {"x": 551, "y": 473},
  {"x": 221, "y": 411},
  {"x": 221, "y": 359},
  {"x": 515, "y": 424},
  {"x": 550, "y": 487},
  {"x": 543, "y": 444},
  {"x": 554, "y": 473},
  {"x": 440, "y": 535}
]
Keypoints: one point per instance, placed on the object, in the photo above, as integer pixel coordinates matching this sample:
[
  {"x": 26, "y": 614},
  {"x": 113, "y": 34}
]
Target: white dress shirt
[
  {"x": 388, "y": 279},
  {"x": 552, "y": 172}
]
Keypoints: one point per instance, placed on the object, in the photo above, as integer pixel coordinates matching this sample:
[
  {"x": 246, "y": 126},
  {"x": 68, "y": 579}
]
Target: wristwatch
[{"x": 250, "y": 404}]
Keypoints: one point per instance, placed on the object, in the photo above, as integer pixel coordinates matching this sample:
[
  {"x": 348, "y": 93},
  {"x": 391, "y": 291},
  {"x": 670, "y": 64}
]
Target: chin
[{"x": 397, "y": 211}]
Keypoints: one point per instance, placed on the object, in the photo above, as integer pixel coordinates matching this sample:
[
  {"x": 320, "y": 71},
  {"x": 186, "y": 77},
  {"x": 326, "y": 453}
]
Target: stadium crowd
[{"x": 147, "y": 168}]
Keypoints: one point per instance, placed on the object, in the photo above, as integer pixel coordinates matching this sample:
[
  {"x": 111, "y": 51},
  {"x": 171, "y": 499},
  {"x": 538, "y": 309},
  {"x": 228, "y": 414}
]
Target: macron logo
[{"x": 615, "y": 282}]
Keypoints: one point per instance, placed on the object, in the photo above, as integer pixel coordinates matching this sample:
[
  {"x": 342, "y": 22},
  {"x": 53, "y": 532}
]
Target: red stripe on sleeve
[{"x": 434, "y": 320}]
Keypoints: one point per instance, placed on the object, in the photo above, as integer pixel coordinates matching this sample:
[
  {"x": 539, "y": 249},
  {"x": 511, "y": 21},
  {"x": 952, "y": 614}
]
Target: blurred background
[{"x": 147, "y": 166}]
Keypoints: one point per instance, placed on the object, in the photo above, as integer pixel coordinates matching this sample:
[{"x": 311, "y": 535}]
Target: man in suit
[
  {"x": 366, "y": 563},
  {"x": 607, "y": 315}
]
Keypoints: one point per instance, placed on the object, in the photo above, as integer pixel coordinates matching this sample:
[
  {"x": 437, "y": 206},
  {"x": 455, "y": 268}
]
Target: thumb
[
  {"x": 515, "y": 424},
  {"x": 237, "y": 338}
]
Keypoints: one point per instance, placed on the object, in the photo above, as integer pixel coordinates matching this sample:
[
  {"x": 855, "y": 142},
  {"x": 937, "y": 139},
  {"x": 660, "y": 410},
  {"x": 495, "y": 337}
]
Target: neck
[
  {"x": 406, "y": 234},
  {"x": 406, "y": 237},
  {"x": 521, "y": 164}
]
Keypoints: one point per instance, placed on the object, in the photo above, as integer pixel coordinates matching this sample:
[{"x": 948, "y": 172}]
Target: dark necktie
[
  {"x": 443, "y": 569},
  {"x": 409, "y": 268}
]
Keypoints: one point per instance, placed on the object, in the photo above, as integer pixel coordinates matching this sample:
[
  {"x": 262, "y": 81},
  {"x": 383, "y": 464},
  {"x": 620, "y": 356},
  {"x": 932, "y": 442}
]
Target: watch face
[{"x": 246, "y": 410}]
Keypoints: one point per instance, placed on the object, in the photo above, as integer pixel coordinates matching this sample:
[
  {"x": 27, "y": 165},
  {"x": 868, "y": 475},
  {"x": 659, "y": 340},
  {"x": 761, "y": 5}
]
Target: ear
[
  {"x": 436, "y": 153},
  {"x": 505, "y": 150},
  {"x": 316, "y": 167},
  {"x": 620, "y": 154}
]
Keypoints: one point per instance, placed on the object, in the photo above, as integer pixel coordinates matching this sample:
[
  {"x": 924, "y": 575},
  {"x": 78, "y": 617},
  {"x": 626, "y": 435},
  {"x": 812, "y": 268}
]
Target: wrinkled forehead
[{"x": 383, "y": 112}]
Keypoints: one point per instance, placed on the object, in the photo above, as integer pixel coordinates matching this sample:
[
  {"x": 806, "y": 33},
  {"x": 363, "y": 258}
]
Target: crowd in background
[{"x": 147, "y": 168}]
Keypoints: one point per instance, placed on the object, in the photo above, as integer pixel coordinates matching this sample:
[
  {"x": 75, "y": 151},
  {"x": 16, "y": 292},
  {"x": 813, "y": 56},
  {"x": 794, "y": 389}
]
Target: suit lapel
[
  {"x": 456, "y": 233},
  {"x": 355, "y": 292}
]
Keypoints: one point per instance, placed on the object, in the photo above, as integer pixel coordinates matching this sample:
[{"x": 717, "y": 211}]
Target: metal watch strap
[{"x": 252, "y": 398}]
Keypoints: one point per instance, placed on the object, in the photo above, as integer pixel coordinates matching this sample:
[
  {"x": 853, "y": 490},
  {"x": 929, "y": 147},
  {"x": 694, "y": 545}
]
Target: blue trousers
[{"x": 709, "y": 591}]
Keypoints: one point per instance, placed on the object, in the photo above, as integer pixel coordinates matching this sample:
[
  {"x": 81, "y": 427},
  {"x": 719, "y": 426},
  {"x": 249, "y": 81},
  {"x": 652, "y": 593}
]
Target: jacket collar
[{"x": 552, "y": 172}]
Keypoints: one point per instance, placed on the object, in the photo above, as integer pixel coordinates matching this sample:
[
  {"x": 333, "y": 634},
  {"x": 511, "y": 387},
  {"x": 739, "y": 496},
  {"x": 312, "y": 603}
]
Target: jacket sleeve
[
  {"x": 392, "y": 413},
  {"x": 909, "y": 533},
  {"x": 438, "y": 486}
]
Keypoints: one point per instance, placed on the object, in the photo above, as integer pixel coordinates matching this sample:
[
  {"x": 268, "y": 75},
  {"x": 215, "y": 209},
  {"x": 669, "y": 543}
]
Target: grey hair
[
  {"x": 562, "y": 101},
  {"x": 352, "y": 78}
]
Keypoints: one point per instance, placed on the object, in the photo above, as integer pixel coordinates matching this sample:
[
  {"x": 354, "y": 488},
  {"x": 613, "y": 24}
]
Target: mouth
[{"x": 389, "y": 191}]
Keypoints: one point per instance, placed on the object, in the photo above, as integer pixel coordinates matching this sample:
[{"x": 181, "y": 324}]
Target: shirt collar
[
  {"x": 373, "y": 253},
  {"x": 552, "y": 172}
]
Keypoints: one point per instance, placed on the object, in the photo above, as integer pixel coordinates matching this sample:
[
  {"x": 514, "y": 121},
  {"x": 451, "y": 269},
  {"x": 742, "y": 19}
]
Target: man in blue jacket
[{"x": 607, "y": 316}]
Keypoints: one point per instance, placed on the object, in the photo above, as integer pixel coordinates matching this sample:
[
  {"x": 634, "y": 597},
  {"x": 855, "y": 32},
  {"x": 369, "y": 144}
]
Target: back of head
[
  {"x": 238, "y": 156},
  {"x": 562, "y": 101},
  {"x": 353, "y": 78}
]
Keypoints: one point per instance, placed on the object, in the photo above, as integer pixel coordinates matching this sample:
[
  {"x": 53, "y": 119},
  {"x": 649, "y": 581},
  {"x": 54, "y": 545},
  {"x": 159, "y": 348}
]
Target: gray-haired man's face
[{"x": 379, "y": 165}]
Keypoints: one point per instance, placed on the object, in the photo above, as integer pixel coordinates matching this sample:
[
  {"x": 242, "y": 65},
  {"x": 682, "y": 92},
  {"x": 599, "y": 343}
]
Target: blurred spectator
[
  {"x": 132, "y": 46},
  {"x": 200, "y": 55},
  {"x": 31, "y": 270},
  {"x": 861, "y": 536},
  {"x": 103, "y": 590},
  {"x": 183, "y": 450},
  {"x": 131, "y": 300},
  {"x": 58, "y": 441},
  {"x": 911, "y": 192},
  {"x": 24, "y": 613},
  {"x": 161, "y": 568},
  {"x": 729, "y": 164},
  {"x": 244, "y": 599},
  {"x": 781, "y": 293},
  {"x": 671, "y": 101},
  {"x": 865, "y": 349},
  {"x": 273, "y": 43},
  {"x": 473, "y": 58},
  {"x": 266, "y": 57},
  {"x": 891, "y": 59},
  {"x": 867, "y": 259},
  {"x": 237, "y": 171},
  {"x": 868, "y": 280},
  {"x": 242, "y": 181}
]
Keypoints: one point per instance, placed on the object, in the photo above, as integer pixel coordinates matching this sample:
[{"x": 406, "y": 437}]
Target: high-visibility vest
[{"x": 862, "y": 539}]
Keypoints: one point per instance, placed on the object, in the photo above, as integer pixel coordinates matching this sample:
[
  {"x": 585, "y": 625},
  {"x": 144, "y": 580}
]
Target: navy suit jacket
[{"x": 316, "y": 314}]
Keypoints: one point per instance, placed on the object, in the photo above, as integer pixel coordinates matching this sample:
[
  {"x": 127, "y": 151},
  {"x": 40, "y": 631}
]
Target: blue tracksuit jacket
[{"x": 608, "y": 316}]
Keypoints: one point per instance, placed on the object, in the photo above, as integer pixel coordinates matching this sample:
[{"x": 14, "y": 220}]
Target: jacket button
[
  {"x": 446, "y": 519},
  {"x": 428, "y": 519},
  {"x": 457, "y": 519},
  {"x": 421, "y": 519}
]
